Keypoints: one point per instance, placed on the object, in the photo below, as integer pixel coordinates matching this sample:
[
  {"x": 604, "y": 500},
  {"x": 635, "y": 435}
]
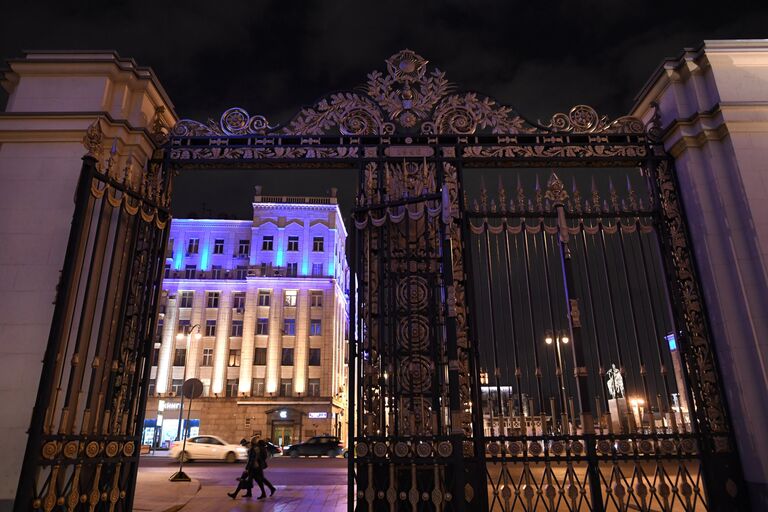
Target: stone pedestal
[{"x": 619, "y": 412}]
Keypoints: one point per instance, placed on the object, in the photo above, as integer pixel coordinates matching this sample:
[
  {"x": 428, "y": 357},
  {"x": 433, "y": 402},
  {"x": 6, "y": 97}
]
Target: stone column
[
  {"x": 711, "y": 102},
  {"x": 221, "y": 348},
  {"x": 167, "y": 344},
  {"x": 248, "y": 343},
  {"x": 52, "y": 100},
  {"x": 197, "y": 317}
]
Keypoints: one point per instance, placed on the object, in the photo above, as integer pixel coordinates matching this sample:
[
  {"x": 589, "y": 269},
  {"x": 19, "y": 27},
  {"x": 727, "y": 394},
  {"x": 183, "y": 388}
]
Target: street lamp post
[
  {"x": 557, "y": 339},
  {"x": 179, "y": 337}
]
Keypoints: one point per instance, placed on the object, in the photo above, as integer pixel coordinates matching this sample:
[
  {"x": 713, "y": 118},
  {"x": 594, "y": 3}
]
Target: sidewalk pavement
[
  {"x": 292, "y": 498},
  {"x": 154, "y": 493}
]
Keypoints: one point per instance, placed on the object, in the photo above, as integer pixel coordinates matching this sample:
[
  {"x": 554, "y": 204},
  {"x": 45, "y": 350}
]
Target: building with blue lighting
[{"x": 258, "y": 311}]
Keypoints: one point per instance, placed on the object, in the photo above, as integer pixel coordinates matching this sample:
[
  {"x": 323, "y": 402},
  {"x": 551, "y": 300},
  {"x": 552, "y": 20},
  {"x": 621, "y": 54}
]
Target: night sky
[{"x": 273, "y": 57}]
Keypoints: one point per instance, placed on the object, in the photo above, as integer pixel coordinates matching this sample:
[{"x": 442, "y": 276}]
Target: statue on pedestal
[{"x": 615, "y": 382}]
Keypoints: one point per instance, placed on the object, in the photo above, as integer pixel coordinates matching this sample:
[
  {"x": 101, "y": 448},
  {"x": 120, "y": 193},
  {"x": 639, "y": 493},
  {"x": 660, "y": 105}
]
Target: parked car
[
  {"x": 208, "y": 448},
  {"x": 318, "y": 446}
]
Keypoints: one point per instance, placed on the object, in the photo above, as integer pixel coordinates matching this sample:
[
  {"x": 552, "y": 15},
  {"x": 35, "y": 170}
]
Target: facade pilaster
[
  {"x": 221, "y": 348},
  {"x": 248, "y": 343},
  {"x": 197, "y": 317},
  {"x": 301, "y": 343},
  {"x": 168, "y": 342},
  {"x": 275, "y": 343}
]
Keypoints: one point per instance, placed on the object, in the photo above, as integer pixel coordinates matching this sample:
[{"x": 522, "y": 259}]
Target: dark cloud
[{"x": 271, "y": 57}]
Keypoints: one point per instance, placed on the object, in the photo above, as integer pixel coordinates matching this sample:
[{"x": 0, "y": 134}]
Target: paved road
[{"x": 281, "y": 471}]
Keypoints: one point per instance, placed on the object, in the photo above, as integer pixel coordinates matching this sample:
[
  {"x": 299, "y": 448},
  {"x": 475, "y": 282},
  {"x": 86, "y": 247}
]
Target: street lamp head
[
  {"x": 548, "y": 340},
  {"x": 564, "y": 339},
  {"x": 180, "y": 336},
  {"x": 198, "y": 335}
]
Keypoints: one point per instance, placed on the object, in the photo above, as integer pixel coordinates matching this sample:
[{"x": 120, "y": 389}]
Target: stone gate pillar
[
  {"x": 54, "y": 98},
  {"x": 713, "y": 108}
]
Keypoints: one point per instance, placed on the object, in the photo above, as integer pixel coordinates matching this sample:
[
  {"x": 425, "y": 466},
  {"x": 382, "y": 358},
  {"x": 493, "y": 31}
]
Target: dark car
[
  {"x": 317, "y": 446},
  {"x": 273, "y": 449}
]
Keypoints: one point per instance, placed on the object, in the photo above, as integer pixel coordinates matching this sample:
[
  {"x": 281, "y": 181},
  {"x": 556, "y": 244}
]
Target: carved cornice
[{"x": 408, "y": 98}]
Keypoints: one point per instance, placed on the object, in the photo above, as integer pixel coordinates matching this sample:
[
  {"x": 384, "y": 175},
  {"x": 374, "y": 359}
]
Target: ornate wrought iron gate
[
  {"x": 456, "y": 399},
  {"x": 83, "y": 447}
]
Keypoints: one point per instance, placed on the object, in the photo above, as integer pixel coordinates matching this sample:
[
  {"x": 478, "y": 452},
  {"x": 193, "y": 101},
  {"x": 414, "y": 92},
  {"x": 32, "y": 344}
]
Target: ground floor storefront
[{"x": 282, "y": 422}]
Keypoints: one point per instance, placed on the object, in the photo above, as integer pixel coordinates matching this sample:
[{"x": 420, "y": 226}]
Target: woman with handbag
[{"x": 257, "y": 463}]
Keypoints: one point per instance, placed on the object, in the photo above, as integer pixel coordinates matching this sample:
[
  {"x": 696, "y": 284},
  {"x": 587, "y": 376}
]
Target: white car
[{"x": 209, "y": 448}]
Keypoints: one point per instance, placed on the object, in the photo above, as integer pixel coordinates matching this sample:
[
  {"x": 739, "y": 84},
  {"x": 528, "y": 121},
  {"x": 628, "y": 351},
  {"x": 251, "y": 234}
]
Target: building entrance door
[{"x": 282, "y": 433}]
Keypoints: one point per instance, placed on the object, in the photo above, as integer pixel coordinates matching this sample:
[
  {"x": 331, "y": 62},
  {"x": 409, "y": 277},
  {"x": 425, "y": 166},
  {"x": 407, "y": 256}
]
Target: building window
[
  {"x": 244, "y": 248},
  {"x": 190, "y": 272},
  {"x": 264, "y": 269},
  {"x": 237, "y": 328},
  {"x": 262, "y": 326},
  {"x": 180, "y": 357},
  {"x": 285, "y": 387},
  {"x": 169, "y": 249},
  {"x": 314, "y": 357},
  {"x": 176, "y": 386},
  {"x": 257, "y": 387},
  {"x": 152, "y": 385},
  {"x": 315, "y": 328},
  {"x": 241, "y": 272},
  {"x": 216, "y": 272},
  {"x": 212, "y": 300},
  {"x": 266, "y": 243},
  {"x": 316, "y": 299},
  {"x": 260, "y": 356},
  {"x": 314, "y": 387},
  {"x": 234, "y": 358},
  {"x": 263, "y": 298},
  {"x": 193, "y": 245},
  {"x": 207, "y": 357},
  {"x": 210, "y": 327},
  {"x": 155, "y": 356},
  {"x": 218, "y": 246},
  {"x": 293, "y": 243},
  {"x": 317, "y": 244},
  {"x": 287, "y": 357},
  {"x": 185, "y": 327},
  {"x": 292, "y": 270},
  {"x": 317, "y": 269},
  {"x": 289, "y": 327},
  {"x": 231, "y": 387},
  {"x": 167, "y": 271},
  {"x": 290, "y": 298},
  {"x": 238, "y": 300}
]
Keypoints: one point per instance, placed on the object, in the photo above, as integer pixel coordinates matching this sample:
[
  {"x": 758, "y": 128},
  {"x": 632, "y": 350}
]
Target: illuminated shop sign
[{"x": 318, "y": 415}]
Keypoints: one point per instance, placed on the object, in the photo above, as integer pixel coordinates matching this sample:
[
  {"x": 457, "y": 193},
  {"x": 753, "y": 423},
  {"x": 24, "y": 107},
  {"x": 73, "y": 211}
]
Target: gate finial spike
[{"x": 502, "y": 196}]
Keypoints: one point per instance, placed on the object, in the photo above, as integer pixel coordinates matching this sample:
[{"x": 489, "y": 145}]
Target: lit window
[
  {"x": 234, "y": 358},
  {"x": 290, "y": 298}
]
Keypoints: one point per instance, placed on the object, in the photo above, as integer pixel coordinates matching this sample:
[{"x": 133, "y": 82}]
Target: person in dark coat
[
  {"x": 244, "y": 482},
  {"x": 257, "y": 463}
]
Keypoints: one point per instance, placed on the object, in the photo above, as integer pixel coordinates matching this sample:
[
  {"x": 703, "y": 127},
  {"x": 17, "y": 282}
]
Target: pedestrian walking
[
  {"x": 257, "y": 463},
  {"x": 244, "y": 482}
]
